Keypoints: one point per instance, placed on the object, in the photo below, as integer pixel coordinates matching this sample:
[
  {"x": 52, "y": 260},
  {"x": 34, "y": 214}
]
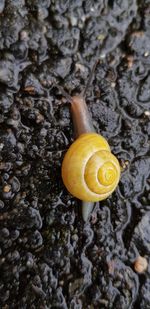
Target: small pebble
[
  {"x": 6, "y": 188},
  {"x": 147, "y": 113},
  {"x": 130, "y": 60},
  {"x": 140, "y": 265},
  {"x": 146, "y": 54},
  {"x": 113, "y": 84},
  {"x": 24, "y": 35},
  {"x": 1, "y": 146},
  {"x": 40, "y": 118}
]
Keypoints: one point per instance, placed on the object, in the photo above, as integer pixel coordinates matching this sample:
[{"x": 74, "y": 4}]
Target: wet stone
[
  {"x": 141, "y": 234},
  {"x": 50, "y": 258}
]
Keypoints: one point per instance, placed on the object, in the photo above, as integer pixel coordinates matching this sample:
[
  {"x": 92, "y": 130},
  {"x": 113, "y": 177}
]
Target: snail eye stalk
[
  {"x": 89, "y": 81},
  {"x": 65, "y": 94}
]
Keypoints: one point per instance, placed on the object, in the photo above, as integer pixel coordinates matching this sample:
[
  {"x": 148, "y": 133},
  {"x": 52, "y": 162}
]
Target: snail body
[{"x": 82, "y": 121}]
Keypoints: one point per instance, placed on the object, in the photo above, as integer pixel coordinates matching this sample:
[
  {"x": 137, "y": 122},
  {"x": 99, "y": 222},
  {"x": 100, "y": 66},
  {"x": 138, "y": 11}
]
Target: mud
[{"x": 49, "y": 257}]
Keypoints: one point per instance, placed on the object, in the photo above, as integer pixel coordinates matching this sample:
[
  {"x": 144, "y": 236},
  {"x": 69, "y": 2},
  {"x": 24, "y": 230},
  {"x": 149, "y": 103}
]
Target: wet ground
[{"x": 49, "y": 257}]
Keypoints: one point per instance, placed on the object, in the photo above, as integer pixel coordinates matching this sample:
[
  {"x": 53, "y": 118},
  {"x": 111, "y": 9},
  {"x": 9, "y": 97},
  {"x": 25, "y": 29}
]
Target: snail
[{"x": 90, "y": 172}]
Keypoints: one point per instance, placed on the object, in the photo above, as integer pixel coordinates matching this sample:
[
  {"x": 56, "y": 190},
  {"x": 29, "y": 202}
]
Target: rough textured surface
[{"x": 49, "y": 257}]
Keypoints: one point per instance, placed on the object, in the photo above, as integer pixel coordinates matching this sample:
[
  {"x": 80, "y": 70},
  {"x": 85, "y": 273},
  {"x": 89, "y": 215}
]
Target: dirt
[{"x": 49, "y": 257}]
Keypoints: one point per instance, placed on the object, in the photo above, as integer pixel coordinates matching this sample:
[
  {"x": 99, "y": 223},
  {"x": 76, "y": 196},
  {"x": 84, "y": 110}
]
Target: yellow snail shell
[{"x": 90, "y": 171}]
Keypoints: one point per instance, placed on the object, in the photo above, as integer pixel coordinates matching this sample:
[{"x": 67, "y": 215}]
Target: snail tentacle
[
  {"x": 65, "y": 94},
  {"x": 89, "y": 81}
]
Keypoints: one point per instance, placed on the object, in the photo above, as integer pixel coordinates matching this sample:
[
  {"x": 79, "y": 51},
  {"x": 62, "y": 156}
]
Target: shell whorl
[{"x": 90, "y": 171}]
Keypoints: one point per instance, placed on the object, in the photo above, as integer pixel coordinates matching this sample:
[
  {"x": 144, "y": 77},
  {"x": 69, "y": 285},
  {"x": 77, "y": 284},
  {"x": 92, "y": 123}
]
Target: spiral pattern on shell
[{"x": 90, "y": 171}]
